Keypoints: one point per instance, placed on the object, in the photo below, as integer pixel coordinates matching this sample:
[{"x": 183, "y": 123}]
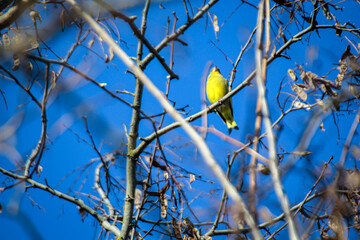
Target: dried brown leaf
[
  {"x": 107, "y": 59},
  {"x": 328, "y": 83},
  {"x": 216, "y": 24},
  {"x": 263, "y": 169},
  {"x": 158, "y": 165},
  {"x": 325, "y": 10},
  {"x": 28, "y": 65},
  {"x": 305, "y": 87},
  {"x": 345, "y": 54},
  {"x": 338, "y": 31},
  {"x": 354, "y": 91},
  {"x": 328, "y": 90},
  {"x": 303, "y": 75},
  {"x": 6, "y": 41},
  {"x": 91, "y": 43},
  {"x": 336, "y": 224},
  {"x": 82, "y": 211},
  {"x": 35, "y": 15},
  {"x": 166, "y": 176},
  {"x": 192, "y": 178},
  {"x": 138, "y": 194},
  {"x": 355, "y": 150},
  {"x": 299, "y": 104},
  {"x": 62, "y": 19},
  {"x": 33, "y": 42},
  {"x": 17, "y": 62},
  {"x": 164, "y": 205},
  {"x": 39, "y": 170},
  {"x": 18, "y": 43},
  {"x": 311, "y": 78},
  {"x": 300, "y": 92},
  {"x": 342, "y": 71},
  {"x": 111, "y": 54},
  {"x": 352, "y": 179},
  {"x": 292, "y": 74},
  {"x": 353, "y": 63}
]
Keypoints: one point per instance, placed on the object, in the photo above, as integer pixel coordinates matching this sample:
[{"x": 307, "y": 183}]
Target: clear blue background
[{"x": 56, "y": 219}]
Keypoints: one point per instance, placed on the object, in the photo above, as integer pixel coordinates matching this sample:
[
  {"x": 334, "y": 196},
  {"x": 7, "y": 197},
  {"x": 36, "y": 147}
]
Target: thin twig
[
  {"x": 101, "y": 191},
  {"x": 179, "y": 31},
  {"x": 40, "y": 147},
  {"x": 233, "y": 71},
  {"x": 138, "y": 33}
]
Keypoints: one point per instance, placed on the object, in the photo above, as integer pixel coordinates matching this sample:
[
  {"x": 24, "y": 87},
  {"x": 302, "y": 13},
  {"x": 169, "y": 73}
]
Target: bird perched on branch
[{"x": 216, "y": 88}]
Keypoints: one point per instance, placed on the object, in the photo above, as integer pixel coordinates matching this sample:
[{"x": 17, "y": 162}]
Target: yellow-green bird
[{"x": 216, "y": 88}]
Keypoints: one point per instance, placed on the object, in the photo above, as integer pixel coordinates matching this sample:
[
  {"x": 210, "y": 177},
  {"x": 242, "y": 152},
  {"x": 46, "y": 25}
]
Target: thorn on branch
[
  {"x": 129, "y": 199},
  {"x": 181, "y": 41}
]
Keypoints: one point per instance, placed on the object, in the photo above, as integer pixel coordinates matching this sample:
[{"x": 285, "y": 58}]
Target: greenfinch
[{"x": 216, "y": 88}]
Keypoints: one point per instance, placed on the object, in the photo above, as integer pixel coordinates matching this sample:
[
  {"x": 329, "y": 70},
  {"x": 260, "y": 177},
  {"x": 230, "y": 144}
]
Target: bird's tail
[{"x": 231, "y": 125}]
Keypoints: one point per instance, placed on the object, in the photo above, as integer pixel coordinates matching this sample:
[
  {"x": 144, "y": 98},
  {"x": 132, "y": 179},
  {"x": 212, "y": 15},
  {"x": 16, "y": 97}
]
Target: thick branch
[
  {"x": 131, "y": 162},
  {"x": 279, "y": 190}
]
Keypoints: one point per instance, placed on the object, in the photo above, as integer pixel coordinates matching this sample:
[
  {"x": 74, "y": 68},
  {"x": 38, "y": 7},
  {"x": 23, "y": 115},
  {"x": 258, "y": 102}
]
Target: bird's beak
[{"x": 215, "y": 69}]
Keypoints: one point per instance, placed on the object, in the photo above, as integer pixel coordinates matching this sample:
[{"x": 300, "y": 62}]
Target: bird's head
[{"x": 215, "y": 69}]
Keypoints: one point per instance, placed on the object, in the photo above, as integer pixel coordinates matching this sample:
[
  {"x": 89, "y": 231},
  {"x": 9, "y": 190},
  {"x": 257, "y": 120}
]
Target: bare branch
[
  {"x": 266, "y": 116},
  {"x": 76, "y": 201}
]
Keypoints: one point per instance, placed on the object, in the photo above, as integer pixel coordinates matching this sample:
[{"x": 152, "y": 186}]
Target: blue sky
[{"x": 66, "y": 151}]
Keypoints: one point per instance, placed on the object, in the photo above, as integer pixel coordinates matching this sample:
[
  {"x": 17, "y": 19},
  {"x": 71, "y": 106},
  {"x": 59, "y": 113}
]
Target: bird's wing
[
  {"x": 230, "y": 101},
  {"x": 221, "y": 116}
]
